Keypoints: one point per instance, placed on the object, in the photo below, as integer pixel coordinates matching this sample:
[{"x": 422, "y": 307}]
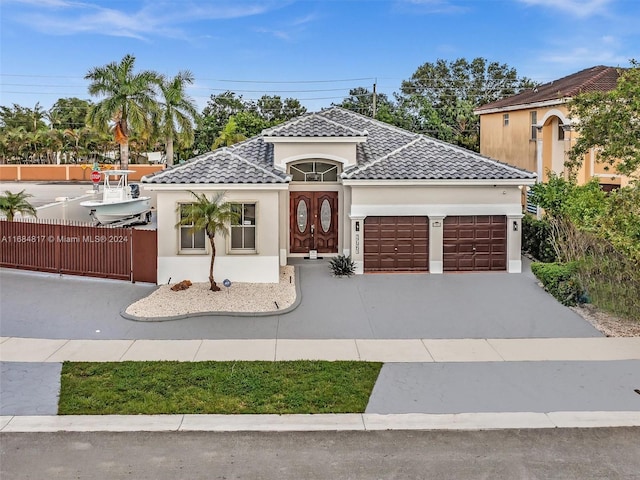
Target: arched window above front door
[{"x": 314, "y": 172}]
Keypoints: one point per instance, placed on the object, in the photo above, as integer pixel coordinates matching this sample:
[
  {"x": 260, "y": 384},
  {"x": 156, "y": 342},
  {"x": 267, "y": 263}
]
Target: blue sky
[{"x": 311, "y": 50}]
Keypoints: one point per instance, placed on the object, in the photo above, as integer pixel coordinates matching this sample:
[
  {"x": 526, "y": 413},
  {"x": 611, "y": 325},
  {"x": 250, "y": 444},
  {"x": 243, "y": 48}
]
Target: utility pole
[{"x": 374, "y": 100}]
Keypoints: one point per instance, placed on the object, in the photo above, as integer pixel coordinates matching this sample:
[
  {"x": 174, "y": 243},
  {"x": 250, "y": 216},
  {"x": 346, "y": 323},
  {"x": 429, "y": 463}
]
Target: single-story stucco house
[{"x": 336, "y": 182}]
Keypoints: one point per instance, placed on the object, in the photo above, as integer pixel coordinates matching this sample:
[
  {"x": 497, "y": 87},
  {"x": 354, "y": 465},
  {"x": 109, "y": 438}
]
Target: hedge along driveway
[{"x": 152, "y": 388}]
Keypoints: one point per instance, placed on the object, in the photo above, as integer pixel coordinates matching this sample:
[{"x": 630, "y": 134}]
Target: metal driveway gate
[{"x": 78, "y": 249}]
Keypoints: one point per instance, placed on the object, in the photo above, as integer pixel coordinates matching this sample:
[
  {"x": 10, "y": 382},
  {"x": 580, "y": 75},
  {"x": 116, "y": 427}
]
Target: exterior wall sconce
[
  {"x": 357, "y": 226},
  {"x": 515, "y": 226}
]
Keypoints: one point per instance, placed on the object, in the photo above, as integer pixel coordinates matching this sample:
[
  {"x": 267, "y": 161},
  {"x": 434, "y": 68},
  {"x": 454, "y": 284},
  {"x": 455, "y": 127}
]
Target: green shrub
[
  {"x": 536, "y": 239},
  {"x": 612, "y": 280},
  {"x": 342, "y": 266},
  {"x": 560, "y": 280}
]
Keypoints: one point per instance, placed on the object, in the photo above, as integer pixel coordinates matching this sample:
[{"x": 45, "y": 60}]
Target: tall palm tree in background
[
  {"x": 211, "y": 215},
  {"x": 12, "y": 203},
  {"x": 178, "y": 112},
  {"x": 129, "y": 100}
]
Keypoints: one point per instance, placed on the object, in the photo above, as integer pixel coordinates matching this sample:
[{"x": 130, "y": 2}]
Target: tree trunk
[
  {"x": 214, "y": 287},
  {"x": 169, "y": 145},
  {"x": 124, "y": 155}
]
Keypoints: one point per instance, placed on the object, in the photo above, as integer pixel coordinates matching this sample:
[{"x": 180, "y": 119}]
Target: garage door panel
[
  {"x": 396, "y": 244},
  {"x": 475, "y": 243},
  {"x": 483, "y": 249},
  {"x": 483, "y": 234}
]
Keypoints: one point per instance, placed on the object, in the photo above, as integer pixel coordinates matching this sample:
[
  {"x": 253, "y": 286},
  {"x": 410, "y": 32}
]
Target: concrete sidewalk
[
  {"x": 570, "y": 373},
  {"x": 13, "y": 349}
]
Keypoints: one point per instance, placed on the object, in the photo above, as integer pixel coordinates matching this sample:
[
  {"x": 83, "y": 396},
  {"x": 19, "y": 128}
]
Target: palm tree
[
  {"x": 12, "y": 203},
  {"x": 229, "y": 135},
  {"x": 178, "y": 111},
  {"x": 211, "y": 215},
  {"x": 129, "y": 100}
]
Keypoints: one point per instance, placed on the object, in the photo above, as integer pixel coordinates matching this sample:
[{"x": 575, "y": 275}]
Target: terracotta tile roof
[
  {"x": 594, "y": 79},
  {"x": 389, "y": 153}
]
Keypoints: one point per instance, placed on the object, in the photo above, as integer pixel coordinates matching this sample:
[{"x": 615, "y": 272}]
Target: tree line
[{"x": 137, "y": 112}]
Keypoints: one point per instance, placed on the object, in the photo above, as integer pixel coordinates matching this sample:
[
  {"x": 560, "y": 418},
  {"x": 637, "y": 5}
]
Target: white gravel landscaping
[{"x": 239, "y": 297}]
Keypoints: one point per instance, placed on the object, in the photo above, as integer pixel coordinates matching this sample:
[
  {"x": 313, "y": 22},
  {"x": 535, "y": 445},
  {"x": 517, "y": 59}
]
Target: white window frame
[
  {"x": 190, "y": 250},
  {"x": 244, "y": 251},
  {"x": 533, "y": 116},
  {"x": 505, "y": 119},
  {"x": 315, "y": 176}
]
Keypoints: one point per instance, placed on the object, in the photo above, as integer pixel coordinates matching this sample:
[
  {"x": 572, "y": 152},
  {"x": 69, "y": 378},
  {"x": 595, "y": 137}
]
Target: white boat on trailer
[{"x": 121, "y": 202}]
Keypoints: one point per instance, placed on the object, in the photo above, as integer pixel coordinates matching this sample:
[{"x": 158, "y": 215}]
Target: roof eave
[
  {"x": 523, "y": 106},
  {"x": 197, "y": 187},
  {"x": 441, "y": 182}
]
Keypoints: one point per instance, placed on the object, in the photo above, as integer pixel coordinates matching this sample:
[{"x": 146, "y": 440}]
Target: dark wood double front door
[{"x": 314, "y": 222}]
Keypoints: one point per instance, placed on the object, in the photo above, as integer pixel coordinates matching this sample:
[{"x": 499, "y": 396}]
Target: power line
[{"x": 225, "y": 80}]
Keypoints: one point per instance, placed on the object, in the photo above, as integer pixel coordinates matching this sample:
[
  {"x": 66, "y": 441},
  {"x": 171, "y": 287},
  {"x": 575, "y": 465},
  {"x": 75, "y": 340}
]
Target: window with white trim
[
  {"x": 505, "y": 119},
  {"x": 560, "y": 130},
  {"x": 534, "y": 128},
  {"x": 243, "y": 229},
  {"x": 191, "y": 241},
  {"x": 314, "y": 172}
]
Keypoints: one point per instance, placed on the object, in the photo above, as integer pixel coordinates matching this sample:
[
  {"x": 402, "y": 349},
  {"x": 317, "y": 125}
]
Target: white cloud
[
  {"x": 149, "y": 18},
  {"x": 304, "y": 20},
  {"x": 431, "y": 6},
  {"x": 578, "y": 8},
  {"x": 587, "y": 56},
  {"x": 281, "y": 34}
]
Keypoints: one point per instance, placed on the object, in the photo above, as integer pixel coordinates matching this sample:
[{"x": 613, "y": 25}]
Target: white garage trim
[{"x": 439, "y": 210}]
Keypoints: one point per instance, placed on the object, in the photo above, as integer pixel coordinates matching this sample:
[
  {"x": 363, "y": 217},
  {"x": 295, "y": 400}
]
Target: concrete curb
[
  {"x": 314, "y": 423},
  {"x": 272, "y": 313}
]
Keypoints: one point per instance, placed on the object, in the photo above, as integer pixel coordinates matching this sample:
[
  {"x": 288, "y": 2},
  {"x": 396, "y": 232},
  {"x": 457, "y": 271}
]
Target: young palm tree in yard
[
  {"x": 211, "y": 215},
  {"x": 128, "y": 100},
  {"x": 12, "y": 203},
  {"x": 178, "y": 112}
]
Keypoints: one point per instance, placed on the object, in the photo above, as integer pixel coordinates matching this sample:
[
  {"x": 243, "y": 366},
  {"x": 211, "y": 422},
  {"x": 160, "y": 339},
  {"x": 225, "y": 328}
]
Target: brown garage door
[
  {"x": 396, "y": 244},
  {"x": 475, "y": 243}
]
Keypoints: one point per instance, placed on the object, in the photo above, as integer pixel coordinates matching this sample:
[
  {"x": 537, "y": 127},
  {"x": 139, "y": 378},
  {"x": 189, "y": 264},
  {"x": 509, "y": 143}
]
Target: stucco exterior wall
[
  {"x": 435, "y": 200},
  {"x": 511, "y": 144},
  {"x": 31, "y": 173},
  {"x": 259, "y": 267},
  {"x": 284, "y": 153}
]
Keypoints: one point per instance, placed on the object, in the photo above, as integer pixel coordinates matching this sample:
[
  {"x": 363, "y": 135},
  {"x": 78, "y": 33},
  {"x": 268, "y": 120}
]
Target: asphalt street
[{"x": 571, "y": 454}]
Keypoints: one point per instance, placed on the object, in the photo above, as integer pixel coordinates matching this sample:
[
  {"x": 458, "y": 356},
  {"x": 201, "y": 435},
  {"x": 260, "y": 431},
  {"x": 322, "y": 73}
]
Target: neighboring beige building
[
  {"x": 336, "y": 182},
  {"x": 533, "y": 130}
]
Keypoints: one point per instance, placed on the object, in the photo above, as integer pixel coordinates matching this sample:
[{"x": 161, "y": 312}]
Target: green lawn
[{"x": 130, "y": 388}]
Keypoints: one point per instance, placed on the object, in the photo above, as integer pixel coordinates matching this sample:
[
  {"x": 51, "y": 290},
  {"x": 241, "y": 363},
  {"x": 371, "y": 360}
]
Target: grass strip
[{"x": 132, "y": 388}]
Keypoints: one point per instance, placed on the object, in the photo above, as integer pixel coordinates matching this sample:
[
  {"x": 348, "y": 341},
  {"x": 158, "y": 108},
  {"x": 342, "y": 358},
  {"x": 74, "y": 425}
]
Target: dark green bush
[
  {"x": 536, "y": 239},
  {"x": 560, "y": 280},
  {"x": 342, "y": 266}
]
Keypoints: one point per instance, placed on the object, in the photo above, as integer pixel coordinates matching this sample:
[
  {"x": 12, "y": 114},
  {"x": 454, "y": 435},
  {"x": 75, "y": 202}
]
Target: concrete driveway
[{"x": 478, "y": 305}]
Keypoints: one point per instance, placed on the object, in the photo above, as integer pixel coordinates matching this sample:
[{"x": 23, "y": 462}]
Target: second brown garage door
[
  {"x": 396, "y": 244},
  {"x": 475, "y": 243}
]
